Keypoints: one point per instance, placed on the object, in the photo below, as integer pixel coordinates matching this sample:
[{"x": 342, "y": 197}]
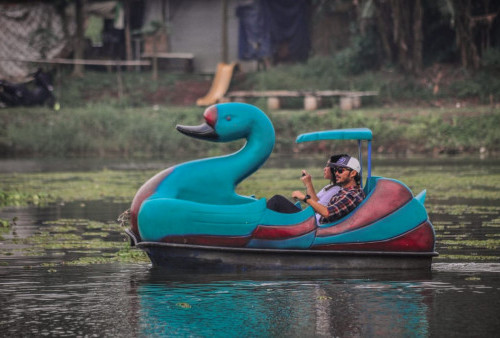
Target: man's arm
[
  {"x": 319, "y": 208},
  {"x": 307, "y": 180}
]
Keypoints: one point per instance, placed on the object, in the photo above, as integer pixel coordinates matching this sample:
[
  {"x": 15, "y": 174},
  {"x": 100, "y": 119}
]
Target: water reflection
[
  {"x": 283, "y": 305},
  {"x": 65, "y": 301},
  {"x": 138, "y": 301}
]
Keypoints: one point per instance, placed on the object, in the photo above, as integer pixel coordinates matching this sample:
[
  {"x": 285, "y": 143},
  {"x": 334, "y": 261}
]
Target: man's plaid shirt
[{"x": 342, "y": 203}]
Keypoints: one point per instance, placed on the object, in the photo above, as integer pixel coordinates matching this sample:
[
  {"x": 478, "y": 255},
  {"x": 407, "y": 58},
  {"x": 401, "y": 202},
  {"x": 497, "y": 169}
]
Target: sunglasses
[{"x": 341, "y": 170}]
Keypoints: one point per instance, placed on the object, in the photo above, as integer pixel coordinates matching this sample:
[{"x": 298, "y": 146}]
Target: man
[{"x": 348, "y": 197}]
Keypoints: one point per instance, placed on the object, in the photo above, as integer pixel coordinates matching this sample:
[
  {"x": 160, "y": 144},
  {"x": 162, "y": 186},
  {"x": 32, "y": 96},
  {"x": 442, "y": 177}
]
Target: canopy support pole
[
  {"x": 369, "y": 160},
  {"x": 360, "y": 157}
]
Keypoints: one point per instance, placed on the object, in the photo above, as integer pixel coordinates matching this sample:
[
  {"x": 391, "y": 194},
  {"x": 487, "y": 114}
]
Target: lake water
[{"x": 459, "y": 297}]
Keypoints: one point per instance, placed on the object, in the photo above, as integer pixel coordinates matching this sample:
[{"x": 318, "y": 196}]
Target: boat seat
[{"x": 370, "y": 184}]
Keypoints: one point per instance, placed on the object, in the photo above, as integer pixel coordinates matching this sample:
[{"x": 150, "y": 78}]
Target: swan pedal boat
[{"x": 189, "y": 217}]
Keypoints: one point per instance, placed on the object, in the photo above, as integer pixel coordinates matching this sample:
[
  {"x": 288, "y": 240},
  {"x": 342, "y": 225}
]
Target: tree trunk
[
  {"x": 400, "y": 27},
  {"x": 418, "y": 14},
  {"x": 464, "y": 34},
  {"x": 384, "y": 30},
  {"x": 401, "y": 18}
]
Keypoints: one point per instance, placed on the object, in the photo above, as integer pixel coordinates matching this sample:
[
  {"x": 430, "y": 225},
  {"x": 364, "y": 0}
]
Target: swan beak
[{"x": 203, "y": 131}]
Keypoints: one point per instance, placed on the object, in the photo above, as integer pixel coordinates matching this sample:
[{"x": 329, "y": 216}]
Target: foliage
[
  {"x": 490, "y": 62},
  {"x": 318, "y": 73},
  {"x": 96, "y": 129},
  {"x": 483, "y": 84},
  {"x": 98, "y": 87},
  {"x": 363, "y": 54},
  {"x": 410, "y": 35},
  {"x": 149, "y": 132}
]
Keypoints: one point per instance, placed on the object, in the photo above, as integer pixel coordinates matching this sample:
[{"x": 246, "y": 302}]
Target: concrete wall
[{"x": 196, "y": 27}]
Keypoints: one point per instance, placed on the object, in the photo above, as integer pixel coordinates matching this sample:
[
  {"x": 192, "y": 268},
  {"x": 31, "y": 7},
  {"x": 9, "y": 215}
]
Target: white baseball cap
[{"x": 347, "y": 162}]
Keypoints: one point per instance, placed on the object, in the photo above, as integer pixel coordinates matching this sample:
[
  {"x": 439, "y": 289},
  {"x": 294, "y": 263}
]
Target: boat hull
[{"x": 186, "y": 257}]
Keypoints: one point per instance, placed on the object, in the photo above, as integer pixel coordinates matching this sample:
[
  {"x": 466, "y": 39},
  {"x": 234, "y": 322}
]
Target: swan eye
[{"x": 228, "y": 118}]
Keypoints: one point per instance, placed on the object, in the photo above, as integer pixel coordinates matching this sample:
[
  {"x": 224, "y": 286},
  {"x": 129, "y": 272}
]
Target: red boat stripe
[
  {"x": 419, "y": 239},
  {"x": 146, "y": 190},
  {"x": 284, "y": 231}
]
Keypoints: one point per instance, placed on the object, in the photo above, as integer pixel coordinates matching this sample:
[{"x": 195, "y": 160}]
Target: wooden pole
[
  {"x": 79, "y": 39},
  {"x": 128, "y": 40},
  {"x": 225, "y": 57}
]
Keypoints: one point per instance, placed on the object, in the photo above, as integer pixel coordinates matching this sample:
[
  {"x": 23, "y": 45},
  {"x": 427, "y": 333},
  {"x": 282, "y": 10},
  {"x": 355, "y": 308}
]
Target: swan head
[{"x": 227, "y": 122}]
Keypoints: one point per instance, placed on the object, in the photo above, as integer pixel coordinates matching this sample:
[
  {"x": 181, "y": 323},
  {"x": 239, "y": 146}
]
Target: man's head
[
  {"x": 345, "y": 170},
  {"x": 329, "y": 170}
]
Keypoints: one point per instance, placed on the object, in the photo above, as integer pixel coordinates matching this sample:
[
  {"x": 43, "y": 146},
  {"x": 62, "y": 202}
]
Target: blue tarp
[{"x": 265, "y": 26}]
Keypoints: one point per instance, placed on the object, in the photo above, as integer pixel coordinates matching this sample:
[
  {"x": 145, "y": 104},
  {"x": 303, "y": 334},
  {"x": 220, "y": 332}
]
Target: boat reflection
[{"x": 284, "y": 304}]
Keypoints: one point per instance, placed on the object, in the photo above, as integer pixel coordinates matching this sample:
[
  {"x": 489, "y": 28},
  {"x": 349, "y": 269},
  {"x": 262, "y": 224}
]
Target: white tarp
[
  {"x": 35, "y": 30},
  {"x": 28, "y": 31}
]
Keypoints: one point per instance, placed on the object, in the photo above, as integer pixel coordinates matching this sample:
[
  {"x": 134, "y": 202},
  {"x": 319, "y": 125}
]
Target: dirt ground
[{"x": 183, "y": 93}]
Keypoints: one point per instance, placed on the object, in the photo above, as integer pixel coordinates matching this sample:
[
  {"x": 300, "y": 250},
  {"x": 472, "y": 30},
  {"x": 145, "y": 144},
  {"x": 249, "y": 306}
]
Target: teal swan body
[{"x": 195, "y": 202}]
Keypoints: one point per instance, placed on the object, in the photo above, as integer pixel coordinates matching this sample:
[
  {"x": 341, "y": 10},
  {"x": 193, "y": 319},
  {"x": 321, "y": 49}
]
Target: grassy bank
[{"x": 149, "y": 131}]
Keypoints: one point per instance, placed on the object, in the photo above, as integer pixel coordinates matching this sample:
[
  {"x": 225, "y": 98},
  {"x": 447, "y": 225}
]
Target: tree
[
  {"x": 473, "y": 22},
  {"x": 400, "y": 27}
]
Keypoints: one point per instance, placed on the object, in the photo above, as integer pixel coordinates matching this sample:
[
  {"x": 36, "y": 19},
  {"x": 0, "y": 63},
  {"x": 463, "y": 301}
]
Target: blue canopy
[
  {"x": 359, "y": 134},
  {"x": 337, "y": 134}
]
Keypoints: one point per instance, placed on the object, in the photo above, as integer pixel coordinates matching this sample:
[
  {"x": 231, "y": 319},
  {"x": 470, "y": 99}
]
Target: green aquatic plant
[
  {"x": 494, "y": 223},
  {"x": 95, "y": 234},
  {"x": 125, "y": 255},
  {"x": 33, "y": 188},
  {"x": 456, "y": 257},
  {"x": 492, "y": 244},
  {"x": 16, "y": 198},
  {"x": 78, "y": 237},
  {"x": 462, "y": 199},
  {"x": 5, "y": 226}
]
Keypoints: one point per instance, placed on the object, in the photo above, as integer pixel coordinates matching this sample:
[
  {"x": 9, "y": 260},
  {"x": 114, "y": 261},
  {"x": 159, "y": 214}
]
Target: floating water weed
[
  {"x": 95, "y": 234},
  {"x": 31, "y": 188},
  {"x": 460, "y": 206},
  {"x": 4, "y": 224},
  {"x": 473, "y": 278},
  {"x": 468, "y": 257},
  {"x": 62, "y": 228},
  {"x": 494, "y": 223},
  {"x": 491, "y": 244},
  {"x": 183, "y": 305},
  {"x": 78, "y": 237}
]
